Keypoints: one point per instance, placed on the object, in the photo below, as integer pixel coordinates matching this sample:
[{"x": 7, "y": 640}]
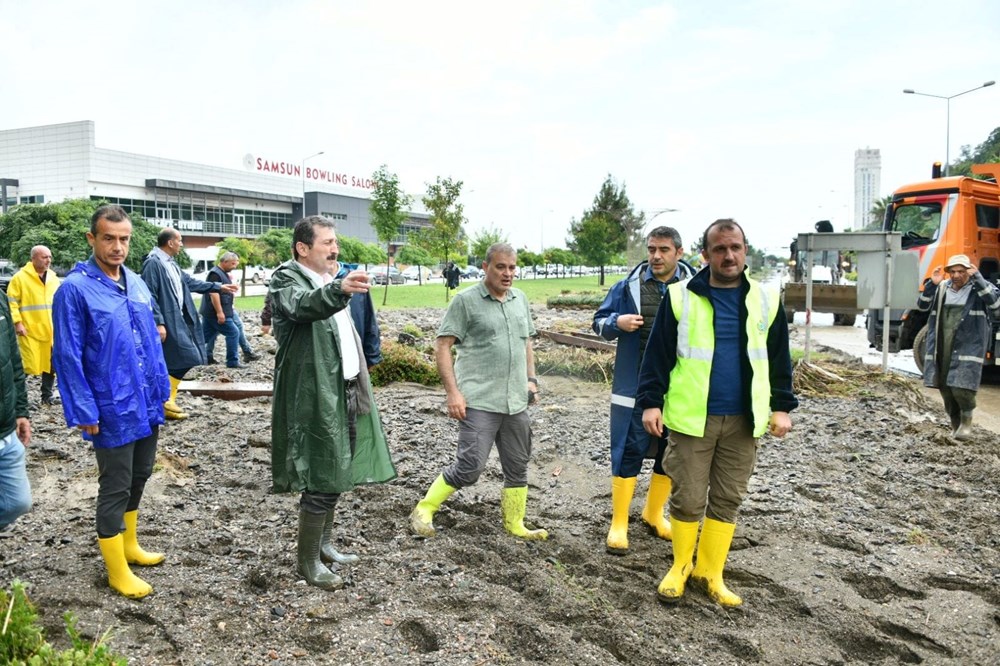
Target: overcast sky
[{"x": 751, "y": 110}]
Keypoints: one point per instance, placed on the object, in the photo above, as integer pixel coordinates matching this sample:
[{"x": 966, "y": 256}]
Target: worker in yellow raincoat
[{"x": 30, "y": 295}]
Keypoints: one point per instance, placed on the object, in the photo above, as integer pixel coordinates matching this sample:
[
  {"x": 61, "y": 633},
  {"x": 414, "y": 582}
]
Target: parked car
[
  {"x": 472, "y": 273},
  {"x": 7, "y": 271},
  {"x": 378, "y": 274},
  {"x": 412, "y": 273}
]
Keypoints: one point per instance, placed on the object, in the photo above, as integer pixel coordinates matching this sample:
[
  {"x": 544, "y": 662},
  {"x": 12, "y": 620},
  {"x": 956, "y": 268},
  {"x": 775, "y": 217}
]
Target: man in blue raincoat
[
  {"x": 177, "y": 319},
  {"x": 113, "y": 383},
  {"x": 627, "y": 315}
]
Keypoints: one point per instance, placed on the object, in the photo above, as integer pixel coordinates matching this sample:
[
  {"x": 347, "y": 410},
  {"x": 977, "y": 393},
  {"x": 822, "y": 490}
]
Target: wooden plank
[
  {"x": 228, "y": 390},
  {"x": 576, "y": 341}
]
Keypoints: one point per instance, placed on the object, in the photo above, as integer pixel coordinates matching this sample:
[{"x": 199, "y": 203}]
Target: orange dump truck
[{"x": 939, "y": 218}]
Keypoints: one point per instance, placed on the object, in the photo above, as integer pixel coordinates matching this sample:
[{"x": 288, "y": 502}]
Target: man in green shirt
[{"x": 489, "y": 387}]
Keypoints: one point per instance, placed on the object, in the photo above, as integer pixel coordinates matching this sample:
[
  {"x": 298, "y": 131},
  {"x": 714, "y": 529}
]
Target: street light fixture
[
  {"x": 947, "y": 99},
  {"x": 304, "y": 179}
]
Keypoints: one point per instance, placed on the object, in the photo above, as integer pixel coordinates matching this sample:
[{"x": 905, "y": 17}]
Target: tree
[
  {"x": 63, "y": 227},
  {"x": 275, "y": 246},
  {"x": 526, "y": 257},
  {"x": 445, "y": 235},
  {"x": 877, "y": 214},
  {"x": 482, "y": 241},
  {"x": 353, "y": 251},
  {"x": 988, "y": 152},
  {"x": 611, "y": 226},
  {"x": 387, "y": 210}
]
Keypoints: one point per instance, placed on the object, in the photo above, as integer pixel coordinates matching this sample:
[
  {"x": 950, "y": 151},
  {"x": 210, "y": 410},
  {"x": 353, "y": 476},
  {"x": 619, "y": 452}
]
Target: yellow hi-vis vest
[{"x": 686, "y": 401}]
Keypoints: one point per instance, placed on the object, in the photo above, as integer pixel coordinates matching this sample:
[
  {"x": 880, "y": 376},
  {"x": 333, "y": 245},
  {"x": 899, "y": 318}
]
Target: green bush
[
  {"x": 401, "y": 363},
  {"x": 22, "y": 641},
  {"x": 412, "y": 329},
  {"x": 587, "y": 300}
]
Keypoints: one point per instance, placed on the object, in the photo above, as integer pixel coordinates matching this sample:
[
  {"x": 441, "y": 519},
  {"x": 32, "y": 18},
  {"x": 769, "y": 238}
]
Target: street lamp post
[
  {"x": 304, "y": 179},
  {"x": 947, "y": 99}
]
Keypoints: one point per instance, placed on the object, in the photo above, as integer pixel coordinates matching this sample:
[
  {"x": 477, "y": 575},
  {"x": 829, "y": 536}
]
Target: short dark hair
[
  {"x": 499, "y": 248},
  {"x": 109, "y": 212},
  {"x": 666, "y": 232},
  {"x": 305, "y": 230},
  {"x": 725, "y": 224},
  {"x": 166, "y": 236}
]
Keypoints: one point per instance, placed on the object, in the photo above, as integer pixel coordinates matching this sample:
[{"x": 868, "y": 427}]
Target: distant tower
[{"x": 867, "y": 184}]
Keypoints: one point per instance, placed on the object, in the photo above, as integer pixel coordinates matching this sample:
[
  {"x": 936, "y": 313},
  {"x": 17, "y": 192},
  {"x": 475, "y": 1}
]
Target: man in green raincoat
[{"x": 326, "y": 433}]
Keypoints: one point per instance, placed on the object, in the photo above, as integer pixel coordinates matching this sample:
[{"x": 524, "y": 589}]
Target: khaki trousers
[{"x": 710, "y": 473}]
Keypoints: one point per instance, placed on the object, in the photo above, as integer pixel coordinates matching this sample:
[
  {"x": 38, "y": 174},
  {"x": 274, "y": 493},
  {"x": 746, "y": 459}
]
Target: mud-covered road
[{"x": 869, "y": 536}]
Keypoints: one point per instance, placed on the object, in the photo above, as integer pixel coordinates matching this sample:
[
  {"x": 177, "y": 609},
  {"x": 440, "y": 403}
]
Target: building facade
[
  {"x": 53, "y": 163},
  {"x": 867, "y": 184}
]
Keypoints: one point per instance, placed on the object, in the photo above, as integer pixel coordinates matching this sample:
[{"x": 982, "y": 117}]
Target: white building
[
  {"x": 867, "y": 184},
  {"x": 53, "y": 163}
]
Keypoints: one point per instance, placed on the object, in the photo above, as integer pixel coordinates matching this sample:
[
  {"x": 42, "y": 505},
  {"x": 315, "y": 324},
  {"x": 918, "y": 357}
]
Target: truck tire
[
  {"x": 920, "y": 348},
  {"x": 844, "y": 319}
]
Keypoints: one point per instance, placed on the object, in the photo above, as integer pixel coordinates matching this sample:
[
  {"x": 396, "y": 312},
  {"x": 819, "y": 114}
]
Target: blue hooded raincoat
[{"x": 107, "y": 355}]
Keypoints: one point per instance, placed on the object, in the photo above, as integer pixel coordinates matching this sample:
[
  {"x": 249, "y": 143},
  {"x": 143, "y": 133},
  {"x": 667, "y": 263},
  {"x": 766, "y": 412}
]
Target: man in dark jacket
[
  {"x": 113, "y": 383},
  {"x": 958, "y": 336},
  {"x": 326, "y": 433},
  {"x": 175, "y": 314},
  {"x": 716, "y": 372},
  {"x": 15, "y": 428},
  {"x": 452, "y": 275},
  {"x": 627, "y": 315},
  {"x": 218, "y": 314}
]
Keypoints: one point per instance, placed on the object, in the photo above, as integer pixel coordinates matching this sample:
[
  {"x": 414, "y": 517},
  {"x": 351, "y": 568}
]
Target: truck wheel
[
  {"x": 920, "y": 348},
  {"x": 844, "y": 319}
]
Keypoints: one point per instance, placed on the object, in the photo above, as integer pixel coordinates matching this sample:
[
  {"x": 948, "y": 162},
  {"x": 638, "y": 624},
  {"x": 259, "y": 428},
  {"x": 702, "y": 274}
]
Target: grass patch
[
  {"x": 589, "y": 364},
  {"x": 585, "y": 300},
  {"x": 432, "y": 294},
  {"x": 402, "y": 363}
]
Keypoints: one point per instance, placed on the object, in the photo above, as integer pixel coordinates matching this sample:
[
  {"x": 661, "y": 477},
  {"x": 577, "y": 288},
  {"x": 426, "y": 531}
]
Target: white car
[{"x": 412, "y": 273}]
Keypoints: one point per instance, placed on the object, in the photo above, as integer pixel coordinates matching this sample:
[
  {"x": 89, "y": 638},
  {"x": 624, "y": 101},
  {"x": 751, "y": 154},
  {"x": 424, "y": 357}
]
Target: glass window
[{"x": 919, "y": 223}]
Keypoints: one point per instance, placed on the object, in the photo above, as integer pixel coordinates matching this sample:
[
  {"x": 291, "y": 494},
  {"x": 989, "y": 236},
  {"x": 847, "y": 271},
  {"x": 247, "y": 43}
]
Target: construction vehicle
[
  {"x": 830, "y": 291},
  {"x": 940, "y": 218}
]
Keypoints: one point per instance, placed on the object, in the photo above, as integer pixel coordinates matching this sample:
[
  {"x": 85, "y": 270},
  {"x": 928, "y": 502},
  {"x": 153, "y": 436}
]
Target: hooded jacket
[
  {"x": 30, "y": 303},
  {"x": 972, "y": 338},
  {"x": 108, "y": 357},
  {"x": 310, "y": 444},
  {"x": 623, "y": 298}
]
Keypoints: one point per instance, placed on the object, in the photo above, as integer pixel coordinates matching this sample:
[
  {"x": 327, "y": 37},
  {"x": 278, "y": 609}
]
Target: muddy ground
[{"x": 869, "y": 536}]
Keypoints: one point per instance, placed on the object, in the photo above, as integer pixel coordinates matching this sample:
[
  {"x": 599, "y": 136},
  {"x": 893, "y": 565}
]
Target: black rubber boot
[
  {"x": 327, "y": 553},
  {"x": 310, "y": 566},
  {"x": 964, "y": 430}
]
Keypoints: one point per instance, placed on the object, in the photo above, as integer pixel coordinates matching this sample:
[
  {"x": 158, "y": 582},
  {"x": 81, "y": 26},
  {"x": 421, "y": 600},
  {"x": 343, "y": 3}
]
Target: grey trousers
[
  {"x": 711, "y": 471},
  {"x": 476, "y": 435},
  {"x": 122, "y": 473}
]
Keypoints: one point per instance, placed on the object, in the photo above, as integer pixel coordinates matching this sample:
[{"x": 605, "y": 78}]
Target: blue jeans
[
  {"x": 15, "y": 491},
  {"x": 213, "y": 329},
  {"x": 244, "y": 343}
]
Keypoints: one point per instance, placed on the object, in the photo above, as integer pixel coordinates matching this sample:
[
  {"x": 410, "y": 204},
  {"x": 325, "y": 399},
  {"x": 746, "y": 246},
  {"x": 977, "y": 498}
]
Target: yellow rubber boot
[
  {"x": 685, "y": 536},
  {"x": 652, "y": 515},
  {"x": 134, "y": 554},
  {"x": 513, "y": 504},
  {"x": 622, "y": 489},
  {"x": 120, "y": 577},
  {"x": 170, "y": 408},
  {"x": 422, "y": 517},
  {"x": 713, "y": 549}
]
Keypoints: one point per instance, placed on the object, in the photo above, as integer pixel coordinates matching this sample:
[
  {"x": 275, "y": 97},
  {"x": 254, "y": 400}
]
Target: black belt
[{"x": 351, "y": 383}]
